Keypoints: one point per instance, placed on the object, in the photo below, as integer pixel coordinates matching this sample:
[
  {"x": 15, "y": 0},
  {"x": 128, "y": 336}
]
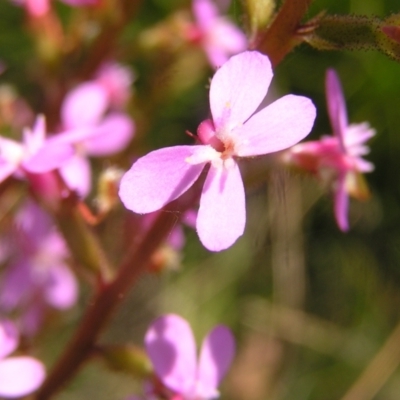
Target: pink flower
[
  {"x": 35, "y": 8},
  {"x": 235, "y": 131},
  {"x": 116, "y": 80},
  {"x": 338, "y": 156},
  {"x": 20, "y": 375},
  {"x": 171, "y": 347},
  {"x": 17, "y": 158},
  {"x": 88, "y": 129},
  {"x": 219, "y": 37},
  {"x": 37, "y": 275},
  {"x": 39, "y": 8}
]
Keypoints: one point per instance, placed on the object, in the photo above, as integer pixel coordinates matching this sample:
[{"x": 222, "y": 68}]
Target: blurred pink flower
[
  {"x": 81, "y": 3},
  {"x": 116, "y": 80},
  {"x": 172, "y": 350},
  {"x": 35, "y": 8},
  {"x": 20, "y": 375},
  {"x": 17, "y": 158},
  {"x": 236, "y": 91},
  {"x": 337, "y": 158},
  {"x": 88, "y": 129},
  {"x": 219, "y": 37},
  {"x": 38, "y": 8},
  {"x": 37, "y": 275}
]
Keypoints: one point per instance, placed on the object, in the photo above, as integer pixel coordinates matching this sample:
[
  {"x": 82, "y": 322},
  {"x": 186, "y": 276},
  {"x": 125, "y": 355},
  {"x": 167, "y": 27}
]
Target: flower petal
[
  {"x": 336, "y": 105},
  {"x": 117, "y": 80},
  {"x": 11, "y": 151},
  {"x": 222, "y": 213},
  {"x": 32, "y": 221},
  {"x": 223, "y": 40},
  {"x": 34, "y": 139},
  {"x": 20, "y": 376},
  {"x": 77, "y": 175},
  {"x": 216, "y": 356},
  {"x": 8, "y": 338},
  {"x": 171, "y": 347},
  {"x": 158, "y": 178},
  {"x": 276, "y": 127},
  {"x": 238, "y": 88},
  {"x": 358, "y": 134},
  {"x": 51, "y": 156},
  {"x": 112, "y": 135},
  {"x": 205, "y": 13},
  {"x": 363, "y": 165},
  {"x": 84, "y": 105},
  {"x": 75, "y": 135},
  {"x": 341, "y": 203},
  {"x": 61, "y": 288}
]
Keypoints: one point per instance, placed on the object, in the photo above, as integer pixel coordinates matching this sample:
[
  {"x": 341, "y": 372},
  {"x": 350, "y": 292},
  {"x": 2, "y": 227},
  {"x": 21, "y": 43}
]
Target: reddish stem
[
  {"x": 280, "y": 37},
  {"x": 103, "y": 305}
]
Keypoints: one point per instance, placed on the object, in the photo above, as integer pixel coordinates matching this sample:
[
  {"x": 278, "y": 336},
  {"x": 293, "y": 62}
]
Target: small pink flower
[
  {"x": 171, "y": 347},
  {"x": 339, "y": 156},
  {"x": 37, "y": 276},
  {"x": 20, "y": 375},
  {"x": 219, "y": 37},
  {"x": 35, "y": 8},
  {"x": 235, "y": 131},
  {"x": 39, "y": 8},
  {"x": 116, "y": 79},
  {"x": 17, "y": 158},
  {"x": 88, "y": 129}
]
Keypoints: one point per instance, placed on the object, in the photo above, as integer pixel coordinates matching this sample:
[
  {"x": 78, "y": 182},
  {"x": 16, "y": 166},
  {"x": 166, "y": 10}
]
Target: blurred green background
[{"x": 310, "y": 306}]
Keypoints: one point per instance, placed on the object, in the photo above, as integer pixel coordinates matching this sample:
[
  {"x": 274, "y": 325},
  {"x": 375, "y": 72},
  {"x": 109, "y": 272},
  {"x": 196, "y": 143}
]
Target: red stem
[
  {"x": 103, "y": 305},
  {"x": 280, "y": 37}
]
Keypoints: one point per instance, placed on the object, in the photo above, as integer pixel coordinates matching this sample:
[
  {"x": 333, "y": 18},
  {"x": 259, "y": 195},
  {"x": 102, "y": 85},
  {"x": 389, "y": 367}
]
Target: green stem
[
  {"x": 83, "y": 244},
  {"x": 378, "y": 372}
]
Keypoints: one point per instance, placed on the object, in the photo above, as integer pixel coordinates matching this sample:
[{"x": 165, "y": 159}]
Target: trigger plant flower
[
  {"x": 338, "y": 158},
  {"x": 235, "y": 130},
  {"x": 19, "y": 375},
  {"x": 172, "y": 350}
]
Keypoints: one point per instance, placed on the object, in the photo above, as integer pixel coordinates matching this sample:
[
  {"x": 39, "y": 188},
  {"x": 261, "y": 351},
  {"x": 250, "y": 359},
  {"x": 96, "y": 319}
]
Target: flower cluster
[{"x": 85, "y": 131}]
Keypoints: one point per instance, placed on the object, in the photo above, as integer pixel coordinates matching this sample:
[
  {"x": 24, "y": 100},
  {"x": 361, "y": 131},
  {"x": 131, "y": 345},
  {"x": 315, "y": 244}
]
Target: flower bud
[
  {"x": 127, "y": 358},
  {"x": 107, "y": 194},
  {"x": 259, "y": 13}
]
